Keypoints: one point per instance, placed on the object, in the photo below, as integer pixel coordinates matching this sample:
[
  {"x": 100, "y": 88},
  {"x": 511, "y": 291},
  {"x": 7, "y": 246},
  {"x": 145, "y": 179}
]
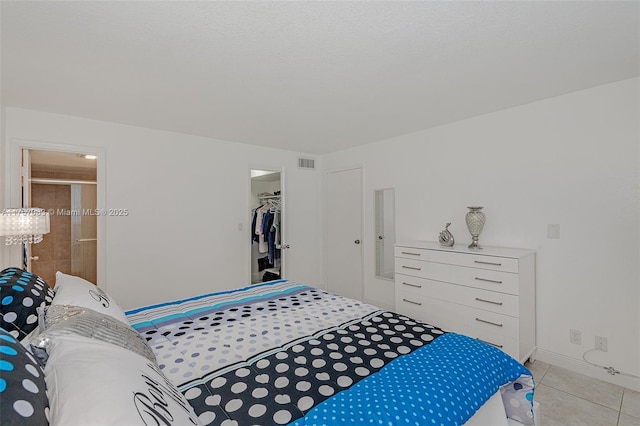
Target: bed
[{"x": 271, "y": 353}]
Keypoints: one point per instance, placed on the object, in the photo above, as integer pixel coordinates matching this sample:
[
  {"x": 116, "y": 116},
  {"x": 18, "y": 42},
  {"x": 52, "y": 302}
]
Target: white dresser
[{"x": 488, "y": 294}]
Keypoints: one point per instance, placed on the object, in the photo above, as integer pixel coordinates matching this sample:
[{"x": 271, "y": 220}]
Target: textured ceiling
[{"x": 315, "y": 77}]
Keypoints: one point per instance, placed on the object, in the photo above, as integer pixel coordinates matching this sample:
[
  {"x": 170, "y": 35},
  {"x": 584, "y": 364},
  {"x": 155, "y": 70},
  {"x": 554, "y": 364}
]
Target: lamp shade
[{"x": 24, "y": 225}]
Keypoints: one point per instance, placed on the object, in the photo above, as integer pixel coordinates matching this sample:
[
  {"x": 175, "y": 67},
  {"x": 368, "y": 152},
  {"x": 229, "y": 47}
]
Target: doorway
[
  {"x": 64, "y": 184},
  {"x": 266, "y": 226}
]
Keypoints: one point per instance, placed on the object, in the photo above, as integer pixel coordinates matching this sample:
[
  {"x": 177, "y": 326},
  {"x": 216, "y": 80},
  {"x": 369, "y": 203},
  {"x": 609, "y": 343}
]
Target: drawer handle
[
  {"x": 411, "y": 301},
  {"x": 489, "y": 322},
  {"x": 411, "y": 267},
  {"x": 487, "y": 263},
  {"x": 489, "y": 281},
  {"x": 412, "y": 254},
  {"x": 412, "y": 285},
  {"x": 489, "y": 301},
  {"x": 490, "y": 343}
]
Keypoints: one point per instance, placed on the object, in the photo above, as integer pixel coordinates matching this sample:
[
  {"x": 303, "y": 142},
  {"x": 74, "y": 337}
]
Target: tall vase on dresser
[{"x": 475, "y": 222}]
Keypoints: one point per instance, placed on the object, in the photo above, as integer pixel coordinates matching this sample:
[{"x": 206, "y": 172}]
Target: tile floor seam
[
  {"x": 621, "y": 401},
  {"x": 630, "y": 415},
  {"x": 622, "y": 404},
  {"x": 544, "y": 375},
  {"x": 584, "y": 399}
]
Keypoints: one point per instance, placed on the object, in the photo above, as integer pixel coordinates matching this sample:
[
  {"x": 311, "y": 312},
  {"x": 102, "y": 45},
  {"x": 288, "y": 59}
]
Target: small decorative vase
[
  {"x": 446, "y": 237},
  {"x": 475, "y": 222}
]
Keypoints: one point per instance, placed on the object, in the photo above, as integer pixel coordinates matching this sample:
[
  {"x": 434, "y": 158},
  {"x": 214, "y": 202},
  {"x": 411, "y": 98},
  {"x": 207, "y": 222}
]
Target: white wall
[
  {"x": 186, "y": 196},
  {"x": 3, "y": 261},
  {"x": 572, "y": 160}
]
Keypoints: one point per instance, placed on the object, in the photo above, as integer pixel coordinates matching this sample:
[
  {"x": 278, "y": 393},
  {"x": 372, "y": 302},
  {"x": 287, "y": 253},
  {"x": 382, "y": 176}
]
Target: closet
[{"x": 265, "y": 226}]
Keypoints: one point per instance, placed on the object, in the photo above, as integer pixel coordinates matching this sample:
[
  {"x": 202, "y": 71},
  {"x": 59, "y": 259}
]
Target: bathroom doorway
[{"x": 64, "y": 184}]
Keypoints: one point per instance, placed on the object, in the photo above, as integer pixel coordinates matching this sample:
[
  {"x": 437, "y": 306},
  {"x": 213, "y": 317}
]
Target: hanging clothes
[
  {"x": 274, "y": 238},
  {"x": 263, "y": 245},
  {"x": 258, "y": 228},
  {"x": 265, "y": 225},
  {"x": 276, "y": 228},
  {"x": 254, "y": 216}
]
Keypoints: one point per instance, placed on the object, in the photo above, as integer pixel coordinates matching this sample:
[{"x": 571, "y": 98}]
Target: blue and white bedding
[{"x": 285, "y": 353}]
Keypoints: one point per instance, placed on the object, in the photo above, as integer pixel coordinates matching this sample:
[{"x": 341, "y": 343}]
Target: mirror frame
[{"x": 384, "y": 255}]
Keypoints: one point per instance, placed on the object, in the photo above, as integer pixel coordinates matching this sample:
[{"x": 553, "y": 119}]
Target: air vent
[{"x": 306, "y": 163}]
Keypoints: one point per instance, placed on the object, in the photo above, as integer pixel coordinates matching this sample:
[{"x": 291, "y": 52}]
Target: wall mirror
[{"x": 385, "y": 237}]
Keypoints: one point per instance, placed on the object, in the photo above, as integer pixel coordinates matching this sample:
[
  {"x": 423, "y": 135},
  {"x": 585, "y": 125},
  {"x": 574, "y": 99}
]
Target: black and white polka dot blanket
[{"x": 281, "y": 353}]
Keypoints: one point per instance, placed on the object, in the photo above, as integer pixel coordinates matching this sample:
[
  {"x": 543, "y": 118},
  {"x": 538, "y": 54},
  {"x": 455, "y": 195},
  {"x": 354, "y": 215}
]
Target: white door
[
  {"x": 25, "y": 179},
  {"x": 344, "y": 233}
]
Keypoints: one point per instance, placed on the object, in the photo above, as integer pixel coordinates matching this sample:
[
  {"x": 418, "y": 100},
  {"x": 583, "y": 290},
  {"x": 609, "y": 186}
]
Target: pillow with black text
[
  {"x": 76, "y": 291},
  {"x": 95, "y": 383}
]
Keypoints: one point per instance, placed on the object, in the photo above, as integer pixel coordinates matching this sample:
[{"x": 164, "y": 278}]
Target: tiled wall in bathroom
[{"x": 54, "y": 252}]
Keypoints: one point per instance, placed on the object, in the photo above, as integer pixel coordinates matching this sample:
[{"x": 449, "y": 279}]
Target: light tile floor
[{"x": 571, "y": 399}]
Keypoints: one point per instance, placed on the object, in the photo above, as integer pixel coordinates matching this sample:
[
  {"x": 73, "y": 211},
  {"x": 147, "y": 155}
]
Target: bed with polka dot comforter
[{"x": 285, "y": 353}]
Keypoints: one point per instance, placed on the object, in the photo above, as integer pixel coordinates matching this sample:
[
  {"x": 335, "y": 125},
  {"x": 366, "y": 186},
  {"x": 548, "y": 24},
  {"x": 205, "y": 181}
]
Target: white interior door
[
  {"x": 25, "y": 183},
  {"x": 344, "y": 233}
]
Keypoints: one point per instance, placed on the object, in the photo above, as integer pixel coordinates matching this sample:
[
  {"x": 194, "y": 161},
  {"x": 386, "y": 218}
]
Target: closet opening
[{"x": 266, "y": 226}]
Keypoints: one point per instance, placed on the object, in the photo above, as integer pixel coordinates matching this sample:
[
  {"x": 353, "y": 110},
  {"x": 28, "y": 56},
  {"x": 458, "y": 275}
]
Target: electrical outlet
[
  {"x": 575, "y": 337},
  {"x": 601, "y": 344}
]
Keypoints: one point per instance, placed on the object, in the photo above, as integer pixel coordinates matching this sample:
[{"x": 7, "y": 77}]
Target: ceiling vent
[{"x": 306, "y": 163}]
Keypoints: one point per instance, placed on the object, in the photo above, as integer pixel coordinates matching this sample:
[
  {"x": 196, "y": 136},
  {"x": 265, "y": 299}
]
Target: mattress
[{"x": 286, "y": 353}]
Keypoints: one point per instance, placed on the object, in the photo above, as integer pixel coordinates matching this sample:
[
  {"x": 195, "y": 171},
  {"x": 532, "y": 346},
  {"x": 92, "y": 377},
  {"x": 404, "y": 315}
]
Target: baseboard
[{"x": 581, "y": 367}]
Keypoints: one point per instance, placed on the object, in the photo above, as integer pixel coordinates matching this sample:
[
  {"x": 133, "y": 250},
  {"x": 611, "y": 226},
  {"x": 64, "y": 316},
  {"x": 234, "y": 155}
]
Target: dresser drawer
[
  {"x": 504, "y": 282},
  {"x": 477, "y": 319},
  {"x": 501, "y": 303},
  {"x": 470, "y": 259},
  {"x": 438, "y": 313}
]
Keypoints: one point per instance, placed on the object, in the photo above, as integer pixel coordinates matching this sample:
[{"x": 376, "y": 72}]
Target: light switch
[
  {"x": 553, "y": 230},
  {"x": 240, "y": 226}
]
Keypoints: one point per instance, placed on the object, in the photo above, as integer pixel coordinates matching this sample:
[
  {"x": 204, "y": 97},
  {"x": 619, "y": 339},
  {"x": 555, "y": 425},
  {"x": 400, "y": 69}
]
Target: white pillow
[
  {"x": 95, "y": 383},
  {"x": 72, "y": 290}
]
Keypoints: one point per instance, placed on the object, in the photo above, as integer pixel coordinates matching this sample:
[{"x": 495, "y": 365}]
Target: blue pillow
[
  {"x": 23, "y": 397},
  {"x": 21, "y": 293}
]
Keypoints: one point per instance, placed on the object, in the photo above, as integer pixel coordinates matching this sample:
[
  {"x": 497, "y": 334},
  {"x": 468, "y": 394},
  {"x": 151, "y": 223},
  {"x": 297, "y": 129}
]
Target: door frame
[
  {"x": 13, "y": 189},
  {"x": 283, "y": 218},
  {"x": 25, "y": 174},
  {"x": 363, "y": 236}
]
